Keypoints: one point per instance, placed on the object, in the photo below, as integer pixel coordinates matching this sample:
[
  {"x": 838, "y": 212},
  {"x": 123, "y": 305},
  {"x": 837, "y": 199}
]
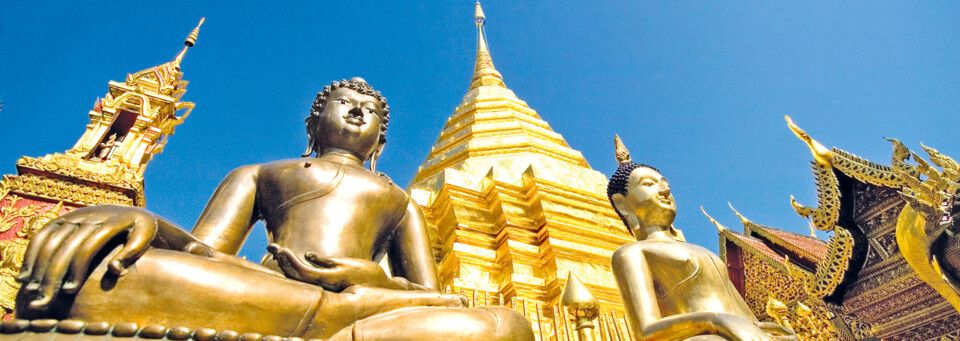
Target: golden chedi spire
[
  {"x": 510, "y": 204},
  {"x": 483, "y": 73}
]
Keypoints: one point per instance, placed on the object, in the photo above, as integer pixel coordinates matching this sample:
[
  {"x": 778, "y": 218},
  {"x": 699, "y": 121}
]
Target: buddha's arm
[
  {"x": 635, "y": 282},
  {"x": 231, "y": 212},
  {"x": 410, "y": 252}
]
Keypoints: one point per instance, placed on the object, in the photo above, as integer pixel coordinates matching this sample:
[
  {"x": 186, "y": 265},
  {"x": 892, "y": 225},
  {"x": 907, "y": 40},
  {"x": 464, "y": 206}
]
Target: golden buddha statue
[
  {"x": 329, "y": 221},
  {"x": 673, "y": 290}
]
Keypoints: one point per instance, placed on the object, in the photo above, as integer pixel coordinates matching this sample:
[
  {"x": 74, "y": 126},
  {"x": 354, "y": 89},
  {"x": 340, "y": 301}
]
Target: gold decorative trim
[
  {"x": 60, "y": 190},
  {"x": 830, "y": 271},
  {"x": 55, "y": 167},
  {"x": 827, "y": 212},
  {"x": 866, "y": 171}
]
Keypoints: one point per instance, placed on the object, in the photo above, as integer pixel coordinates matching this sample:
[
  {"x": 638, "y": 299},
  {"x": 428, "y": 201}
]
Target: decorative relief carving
[
  {"x": 943, "y": 329},
  {"x": 870, "y": 198},
  {"x": 64, "y": 191},
  {"x": 28, "y": 217},
  {"x": 867, "y": 293},
  {"x": 764, "y": 281},
  {"x": 860, "y": 330}
]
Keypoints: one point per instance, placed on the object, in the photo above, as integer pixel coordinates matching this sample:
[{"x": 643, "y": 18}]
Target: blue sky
[{"x": 697, "y": 89}]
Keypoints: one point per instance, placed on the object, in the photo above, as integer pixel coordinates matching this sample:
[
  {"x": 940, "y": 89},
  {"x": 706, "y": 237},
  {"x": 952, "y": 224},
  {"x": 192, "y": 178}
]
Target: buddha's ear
[
  {"x": 619, "y": 204},
  {"x": 376, "y": 155}
]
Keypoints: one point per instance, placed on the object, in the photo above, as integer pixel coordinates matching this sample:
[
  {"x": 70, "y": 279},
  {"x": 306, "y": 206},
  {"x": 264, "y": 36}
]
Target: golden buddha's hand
[
  {"x": 334, "y": 274},
  {"x": 60, "y": 254}
]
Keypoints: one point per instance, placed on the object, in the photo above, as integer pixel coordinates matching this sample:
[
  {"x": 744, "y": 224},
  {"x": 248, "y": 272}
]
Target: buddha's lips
[{"x": 356, "y": 120}]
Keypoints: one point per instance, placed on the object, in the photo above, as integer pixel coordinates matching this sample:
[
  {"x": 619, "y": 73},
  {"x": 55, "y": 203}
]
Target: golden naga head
[{"x": 821, "y": 154}]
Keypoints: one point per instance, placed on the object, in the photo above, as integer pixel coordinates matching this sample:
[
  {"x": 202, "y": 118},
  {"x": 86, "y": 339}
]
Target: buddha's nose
[
  {"x": 664, "y": 189},
  {"x": 356, "y": 112}
]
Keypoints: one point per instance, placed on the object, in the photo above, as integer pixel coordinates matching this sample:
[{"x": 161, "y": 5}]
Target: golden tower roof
[
  {"x": 127, "y": 127},
  {"x": 493, "y": 128}
]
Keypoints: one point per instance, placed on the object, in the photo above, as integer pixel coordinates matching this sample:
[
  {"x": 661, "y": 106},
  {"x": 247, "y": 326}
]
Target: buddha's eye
[
  {"x": 647, "y": 183},
  {"x": 342, "y": 101}
]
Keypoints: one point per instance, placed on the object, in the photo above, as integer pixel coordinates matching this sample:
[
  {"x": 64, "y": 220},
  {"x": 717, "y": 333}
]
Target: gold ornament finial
[
  {"x": 623, "y": 155},
  {"x": 189, "y": 42},
  {"x": 578, "y": 299},
  {"x": 192, "y": 38},
  {"x": 478, "y": 16},
  {"x": 820, "y": 153}
]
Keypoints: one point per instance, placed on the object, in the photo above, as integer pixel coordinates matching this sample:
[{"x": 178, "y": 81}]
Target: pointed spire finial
[
  {"x": 483, "y": 73},
  {"x": 478, "y": 16},
  {"x": 189, "y": 42},
  {"x": 623, "y": 155}
]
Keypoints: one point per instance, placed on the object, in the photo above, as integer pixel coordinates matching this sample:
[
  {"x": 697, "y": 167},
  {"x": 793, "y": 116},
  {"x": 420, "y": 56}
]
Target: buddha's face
[
  {"x": 648, "y": 199},
  {"x": 350, "y": 121}
]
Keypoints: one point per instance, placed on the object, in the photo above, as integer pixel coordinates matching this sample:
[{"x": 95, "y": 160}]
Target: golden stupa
[{"x": 513, "y": 208}]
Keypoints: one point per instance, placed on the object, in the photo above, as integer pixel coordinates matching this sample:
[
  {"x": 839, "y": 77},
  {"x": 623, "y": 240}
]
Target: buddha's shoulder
[{"x": 644, "y": 247}]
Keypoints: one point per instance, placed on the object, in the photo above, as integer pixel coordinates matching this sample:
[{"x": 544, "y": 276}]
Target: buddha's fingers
[
  {"x": 321, "y": 261},
  {"x": 59, "y": 264},
  {"x": 33, "y": 249},
  {"x": 142, "y": 232},
  {"x": 86, "y": 253},
  {"x": 291, "y": 264},
  {"x": 47, "y": 251}
]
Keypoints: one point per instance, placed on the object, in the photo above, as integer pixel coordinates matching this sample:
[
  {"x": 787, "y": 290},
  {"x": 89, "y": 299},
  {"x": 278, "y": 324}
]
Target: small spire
[
  {"x": 483, "y": 73},
  {"x": 189, "y": 42},
  {"x": 820, "y": 153},
  {"x": 623, "y": 155},
  {"x": 578, "y": 299}
]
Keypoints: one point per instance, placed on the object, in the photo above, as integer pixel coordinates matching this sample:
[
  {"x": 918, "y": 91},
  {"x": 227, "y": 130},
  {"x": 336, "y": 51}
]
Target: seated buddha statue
[
  {"x": 329, "y": 222},
  {"x": 671, "y": 289}
]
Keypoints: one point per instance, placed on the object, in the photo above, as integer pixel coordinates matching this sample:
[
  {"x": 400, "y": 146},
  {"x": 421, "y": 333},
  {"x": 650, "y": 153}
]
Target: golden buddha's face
[
  {"x": 648, "y": 199},
  {"x": 350, "y": 121}
]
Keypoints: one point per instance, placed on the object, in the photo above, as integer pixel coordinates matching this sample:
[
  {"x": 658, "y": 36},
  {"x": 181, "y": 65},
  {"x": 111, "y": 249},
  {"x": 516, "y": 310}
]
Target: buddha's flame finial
[
  {"x": 189, "y": 42},
  {"x": 623, "y": 155},
  {"x": 821, "y": 154}
]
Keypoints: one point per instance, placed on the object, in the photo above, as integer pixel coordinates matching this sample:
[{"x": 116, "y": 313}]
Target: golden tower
[
  {"x": 512, "y": 207},
  {"x": 127, "y": 127}
]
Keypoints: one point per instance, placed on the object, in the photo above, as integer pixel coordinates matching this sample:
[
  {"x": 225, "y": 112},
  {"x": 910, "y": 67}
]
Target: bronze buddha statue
[
  {"x": 671, "y": 289},
  {"x": 329, "y": 221}
]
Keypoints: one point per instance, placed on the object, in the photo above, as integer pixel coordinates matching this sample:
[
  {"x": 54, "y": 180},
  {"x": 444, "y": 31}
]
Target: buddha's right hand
[{"x": 60, "y": 254}]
